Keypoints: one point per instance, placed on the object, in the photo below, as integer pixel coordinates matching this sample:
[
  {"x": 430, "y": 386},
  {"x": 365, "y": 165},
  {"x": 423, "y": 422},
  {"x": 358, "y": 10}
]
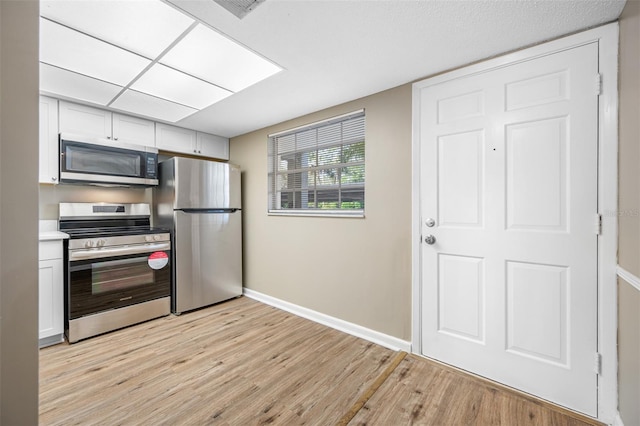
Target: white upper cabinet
[
  {"x": 48, "y": 123},
  {"x": 212, "y": 146},
  {"x": 133, "y": 130},
  {"x": 175, "y": 139},
  {"x": 58, "y": 116},
  {"x": 178, "y": 139},
  {"x": 89, "y": 121},
  {"x": 84, "y": 120}
]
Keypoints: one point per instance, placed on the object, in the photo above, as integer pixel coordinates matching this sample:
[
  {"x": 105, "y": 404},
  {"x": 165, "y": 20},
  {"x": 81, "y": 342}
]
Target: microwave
[{"x": 103, "y": 162}]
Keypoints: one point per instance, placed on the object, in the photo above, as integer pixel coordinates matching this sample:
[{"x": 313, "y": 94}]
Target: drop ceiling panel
[
  {"x": 56, "y": 81},
  {"x": 167, "y": 83},
  {"x": 146, "y": 27},
  {"x": 218, "y": 60},
  {"x": 69, "y": 49},
  {"x": 150, "y": 106}
]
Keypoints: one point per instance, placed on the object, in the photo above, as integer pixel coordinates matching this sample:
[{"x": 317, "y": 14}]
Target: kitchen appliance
[
  {"x": 106, "y": 162},
  {"x": 118, "y": 268},
  {"x": 199, "y": 201}
]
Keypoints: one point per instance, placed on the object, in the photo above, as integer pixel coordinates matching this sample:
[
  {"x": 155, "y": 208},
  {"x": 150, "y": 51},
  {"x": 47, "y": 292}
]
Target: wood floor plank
[
  {"x": 240, "y": 362},
  {"x": 245, "y": 363},
  {"x": 422, "y": 392}
]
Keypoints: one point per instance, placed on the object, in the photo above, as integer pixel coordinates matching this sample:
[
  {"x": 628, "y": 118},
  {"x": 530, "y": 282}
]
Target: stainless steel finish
[
  {"x": 104, "y": 179},
  {"x": 85, "y": 210},
  {"x": 199, "y": 201},
  {"x": 107, "y": 179},
  {"x": 430, "y": 239},
  {"x": 208, "y": 258},
  {"x": 92, "y": 325},
  {"x": 430, "y": 222},
  {"x": 187, "y": 183},
  {"x": 96, "y": 253},
  {"x": 123, "y": 240},
  {"x": 106, "y": 142}
]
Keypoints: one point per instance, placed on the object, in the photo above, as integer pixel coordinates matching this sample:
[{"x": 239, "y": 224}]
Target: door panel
[
  {"x": 460, "y": 171},
  {"x": 509, "y": 174}
]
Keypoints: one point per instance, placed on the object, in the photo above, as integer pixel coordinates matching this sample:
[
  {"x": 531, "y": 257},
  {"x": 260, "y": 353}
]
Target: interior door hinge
[
  {"x": 598, "y": 84},
  {"x": 597, "y": 366},
  {"x": 598, "y": 224}
]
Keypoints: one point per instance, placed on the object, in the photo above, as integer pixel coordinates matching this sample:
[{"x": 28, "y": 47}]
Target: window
[{"x": 319, "y": 169}]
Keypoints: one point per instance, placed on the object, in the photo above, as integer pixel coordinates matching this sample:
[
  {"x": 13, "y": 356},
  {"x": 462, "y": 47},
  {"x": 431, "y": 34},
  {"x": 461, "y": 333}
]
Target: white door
[{"x": 508, "y": 174}]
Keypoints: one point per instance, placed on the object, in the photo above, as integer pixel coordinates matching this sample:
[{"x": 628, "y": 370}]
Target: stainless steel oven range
[{"x": 118, "y": 269}]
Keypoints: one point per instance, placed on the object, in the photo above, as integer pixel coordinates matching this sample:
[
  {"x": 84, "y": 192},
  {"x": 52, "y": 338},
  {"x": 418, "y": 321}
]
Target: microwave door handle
[{"x": 120, "y": 251}]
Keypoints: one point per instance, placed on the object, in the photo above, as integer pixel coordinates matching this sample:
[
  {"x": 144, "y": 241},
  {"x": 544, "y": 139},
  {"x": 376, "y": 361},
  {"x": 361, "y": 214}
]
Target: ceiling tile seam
[
  {"x": 96, "y": 38},
  {"x": 227, "y": 36},
  {"x": 163, "y": 99},
  {"x": 199, "y": 78},
  {"x": 144, "y": 70},
  {"x": 153, "y": 62},
  {"x": 79, "y": 73}
]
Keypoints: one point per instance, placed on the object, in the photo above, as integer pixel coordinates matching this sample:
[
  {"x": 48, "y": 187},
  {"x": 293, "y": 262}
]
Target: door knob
[{"x": 430, "y": 239}]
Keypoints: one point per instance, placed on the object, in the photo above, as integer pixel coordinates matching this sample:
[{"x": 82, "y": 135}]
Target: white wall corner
[
  {"x": 373, "y": 336},
  {"x": 618, "y": 420}
]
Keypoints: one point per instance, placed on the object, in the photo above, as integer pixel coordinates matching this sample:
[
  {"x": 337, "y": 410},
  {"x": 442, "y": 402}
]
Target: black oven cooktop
[{"x": 112, "y": 231}]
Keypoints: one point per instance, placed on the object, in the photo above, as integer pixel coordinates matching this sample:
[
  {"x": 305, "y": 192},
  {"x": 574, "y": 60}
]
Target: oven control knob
[
  {"x": 89, "y": 244},
  {"x": 148, "y": 238},
  {"x": 100, "y": 243},
  {"x": 156, "y": 237}
]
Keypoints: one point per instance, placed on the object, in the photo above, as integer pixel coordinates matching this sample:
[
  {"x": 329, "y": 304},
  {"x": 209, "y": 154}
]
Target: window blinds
[{"x": 319, "y": 167}]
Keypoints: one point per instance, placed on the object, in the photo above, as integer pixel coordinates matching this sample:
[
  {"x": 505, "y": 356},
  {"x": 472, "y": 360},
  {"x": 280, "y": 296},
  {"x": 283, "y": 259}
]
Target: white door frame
[{"x": 607, "y": 37}]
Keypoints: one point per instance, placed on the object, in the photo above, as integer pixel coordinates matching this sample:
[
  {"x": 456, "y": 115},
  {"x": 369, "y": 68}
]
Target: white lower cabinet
[{"x": 51, "y": 293}]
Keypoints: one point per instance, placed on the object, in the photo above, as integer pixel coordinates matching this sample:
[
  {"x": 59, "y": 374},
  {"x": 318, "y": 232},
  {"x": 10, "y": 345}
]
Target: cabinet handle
[
  {"x": 54, "y": 179},
  {"x": 108, "y": 137},
  {"x": 115, "y": 139}
]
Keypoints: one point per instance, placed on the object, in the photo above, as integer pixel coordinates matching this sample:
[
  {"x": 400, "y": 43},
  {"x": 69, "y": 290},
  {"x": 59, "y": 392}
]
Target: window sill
[{"x": 357, "y": 214}]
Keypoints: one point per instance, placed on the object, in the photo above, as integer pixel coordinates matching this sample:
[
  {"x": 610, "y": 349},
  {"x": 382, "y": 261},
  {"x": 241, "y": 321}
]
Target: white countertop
[
  {"x": 48, "y": 231},
  {"x": 52, "y": 235}
]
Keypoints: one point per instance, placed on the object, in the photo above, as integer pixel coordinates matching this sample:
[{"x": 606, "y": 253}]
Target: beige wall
[
  {"x": 357, "y": 270},
  {"x": 18, "y": 212},
  {"x": 629, "y": 214}
]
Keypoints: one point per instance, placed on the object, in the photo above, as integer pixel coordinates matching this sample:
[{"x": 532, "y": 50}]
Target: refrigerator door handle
[{"x": 198, "y": 211}]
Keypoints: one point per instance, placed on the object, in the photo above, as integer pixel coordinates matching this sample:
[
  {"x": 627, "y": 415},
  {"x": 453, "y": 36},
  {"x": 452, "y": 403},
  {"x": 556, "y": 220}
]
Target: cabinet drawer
[{"x": 49, "y": 250}]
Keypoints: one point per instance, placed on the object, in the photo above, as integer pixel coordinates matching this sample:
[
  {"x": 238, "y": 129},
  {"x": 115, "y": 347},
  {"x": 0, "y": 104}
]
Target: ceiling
[{"x": 340, "y": 50}]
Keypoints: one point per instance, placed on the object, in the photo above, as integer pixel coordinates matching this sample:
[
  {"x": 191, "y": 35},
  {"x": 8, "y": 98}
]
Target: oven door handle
[{"x": 119, "y": 251}]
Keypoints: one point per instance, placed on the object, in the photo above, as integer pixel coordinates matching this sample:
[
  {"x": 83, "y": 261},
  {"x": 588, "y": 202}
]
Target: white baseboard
[
  {"x": 618, "y": 420},
  {"x": 381, "y": 339},
  {"x": 628, "y": 277}
]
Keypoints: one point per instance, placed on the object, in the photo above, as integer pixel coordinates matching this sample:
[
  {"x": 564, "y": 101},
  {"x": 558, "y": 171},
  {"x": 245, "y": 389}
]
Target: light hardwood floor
[{"x": 246, "y": 363}]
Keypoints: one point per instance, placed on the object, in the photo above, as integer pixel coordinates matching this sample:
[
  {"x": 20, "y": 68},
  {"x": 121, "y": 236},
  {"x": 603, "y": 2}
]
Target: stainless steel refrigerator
[{"x": 199, "y": 201}]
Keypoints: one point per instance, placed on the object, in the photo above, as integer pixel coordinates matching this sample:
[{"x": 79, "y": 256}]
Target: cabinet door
[
  {"x": 48, "y": 126},
  {"x": 176, "y": 139},
  {"x": 50, "y": 298},
  {"x": 133, "y": 130},
  {"x": 84, "y": 120},
  {"x": 213, "y": 146}
]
